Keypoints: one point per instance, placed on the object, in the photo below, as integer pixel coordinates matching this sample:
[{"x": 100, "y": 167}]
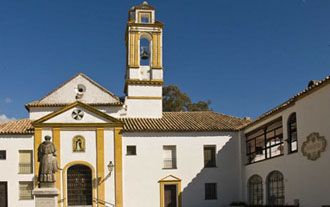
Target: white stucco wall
[
  {"x": 38, "y": 112},
  {"x": 67, "y": 93},
  {"x": 68, "y": 156},
  {"x": 144, "y": 108},
  {"x": 9, "y": 167},
  {"x": 143, "y": 171},
  {"x": 156, "y": 74},
  {"x": 140, "y": 90},
  {"x": 109, "y": 156},
  {"x": 305, "y": 180},
  {"x": 66, "y": 117}
]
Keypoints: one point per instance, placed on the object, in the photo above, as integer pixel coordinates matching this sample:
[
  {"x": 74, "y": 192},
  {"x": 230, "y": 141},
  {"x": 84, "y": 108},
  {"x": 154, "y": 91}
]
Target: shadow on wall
[{"x": 226, "y": 175}]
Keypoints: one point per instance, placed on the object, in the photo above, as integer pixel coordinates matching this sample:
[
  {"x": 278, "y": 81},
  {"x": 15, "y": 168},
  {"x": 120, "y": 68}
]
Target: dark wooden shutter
[
  {"x": 170, "y": 196},
  {"x": 3, "y": 194},
  {"x": 209, "y": 156}
]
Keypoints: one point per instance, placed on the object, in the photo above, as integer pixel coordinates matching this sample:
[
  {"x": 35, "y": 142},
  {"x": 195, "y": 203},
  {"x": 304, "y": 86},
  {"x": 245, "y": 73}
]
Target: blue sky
[{"x": 244, "y": 56}]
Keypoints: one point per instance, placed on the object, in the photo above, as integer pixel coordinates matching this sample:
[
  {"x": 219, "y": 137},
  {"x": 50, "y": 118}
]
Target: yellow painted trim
[
  {"x": 144, "y": 82},
  {"x": 118, "y": 167},
  {"x": 176, "y": 181},
  {"x": 57, "y": 143},
  {"x": 160, "y": 51},
  {"x": 154, "y": 50},
  {"x": 136, "y": 50},
  {"x": 100, "y": 165},
  {"x": 143, "y": 97},
  {"x": 157, "y": 67},
  {"x": 134, "y": 67},
  {"x": 37, "y": 142},
  {"x": 83, "y": 125},
  {"x": 156, "y": 25},
  {"x": 144, "y": 13},
  {"x": 64, "y": 176},
  {"x": 74, "y": 104}
]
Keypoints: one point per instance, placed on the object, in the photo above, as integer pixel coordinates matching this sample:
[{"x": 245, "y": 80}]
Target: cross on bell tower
[{"x": 144, "y": 68}]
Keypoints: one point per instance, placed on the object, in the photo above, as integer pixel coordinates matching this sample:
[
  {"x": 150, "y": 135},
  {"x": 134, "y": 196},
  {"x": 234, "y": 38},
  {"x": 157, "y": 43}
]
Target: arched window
[
  {"x": 275, "y": 188},
  {"x": 255, "y": 190},
  {"x": 144, "y": 51},
  {"x": 292, "y": 133}
]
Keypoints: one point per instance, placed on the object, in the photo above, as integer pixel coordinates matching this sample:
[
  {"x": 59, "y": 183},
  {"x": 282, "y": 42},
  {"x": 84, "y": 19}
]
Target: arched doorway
[{"x": 79, "y": 186}]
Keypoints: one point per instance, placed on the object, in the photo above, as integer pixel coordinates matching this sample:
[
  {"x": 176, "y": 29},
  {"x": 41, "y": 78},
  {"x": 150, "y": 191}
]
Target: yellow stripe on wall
[
  {"x": 118, "y": 167},
  {"x": 100, "y": 165},
  {"x": 37, "y": 141},
  {"x": 57, "y": 143}
]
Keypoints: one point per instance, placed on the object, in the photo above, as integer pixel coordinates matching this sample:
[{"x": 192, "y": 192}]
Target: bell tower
[{"x": 144, "y": 67}]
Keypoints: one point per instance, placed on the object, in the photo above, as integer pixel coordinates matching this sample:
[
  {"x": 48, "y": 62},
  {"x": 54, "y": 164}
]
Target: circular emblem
[{"x": 77, "y": 114}]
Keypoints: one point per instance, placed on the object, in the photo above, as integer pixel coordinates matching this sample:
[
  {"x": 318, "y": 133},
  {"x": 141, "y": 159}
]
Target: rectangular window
[
  {"x": 210, "y": 191},
  {"x": 265, "y": 142},
  {"x": 25, "y": 165},
  {"x": 169, "y": 154},
  {"x": 25, "y": 190},
  {"x": 2, "y": 154},
  {"x": 209, "y": 156},
  {"x": 131, "y": 150},
  {"x": 292, "y": 133}
]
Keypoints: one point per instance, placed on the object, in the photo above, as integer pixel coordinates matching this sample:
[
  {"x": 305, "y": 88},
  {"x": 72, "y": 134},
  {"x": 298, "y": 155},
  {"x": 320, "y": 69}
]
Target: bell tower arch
[{"x": 144, "y": 67}]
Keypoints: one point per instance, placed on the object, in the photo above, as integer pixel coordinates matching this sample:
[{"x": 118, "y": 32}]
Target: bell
[{"x": 144, "y": 53}]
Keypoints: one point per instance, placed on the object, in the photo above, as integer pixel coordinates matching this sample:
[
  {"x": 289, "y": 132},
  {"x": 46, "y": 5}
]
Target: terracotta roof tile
[
  {"x": 23, "y": 126},
  {"x": 185, "y": 121},
  {"x": 170, "y": 122}
]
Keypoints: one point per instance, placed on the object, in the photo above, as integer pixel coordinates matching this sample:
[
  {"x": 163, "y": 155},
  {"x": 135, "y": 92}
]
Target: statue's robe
[{"x": 47, "y": 160}]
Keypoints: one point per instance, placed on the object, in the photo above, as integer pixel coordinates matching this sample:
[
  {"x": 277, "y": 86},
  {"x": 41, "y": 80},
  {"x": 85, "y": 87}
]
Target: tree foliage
[{"x": 176, "y": 100}]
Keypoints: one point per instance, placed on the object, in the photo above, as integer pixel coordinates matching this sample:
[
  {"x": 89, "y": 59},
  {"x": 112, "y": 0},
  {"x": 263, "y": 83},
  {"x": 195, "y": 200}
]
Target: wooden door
[
  {"x": 3, "y": 194},
  {"x": 170, "y": 195},
  {"x": 80, "y": 191}
]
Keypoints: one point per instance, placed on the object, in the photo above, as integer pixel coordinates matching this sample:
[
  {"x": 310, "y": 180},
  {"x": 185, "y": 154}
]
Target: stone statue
[{"x": 47, "y": 163}]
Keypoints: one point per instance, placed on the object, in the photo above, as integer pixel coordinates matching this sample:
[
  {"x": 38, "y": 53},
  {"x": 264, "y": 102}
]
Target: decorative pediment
[
  {"x": 78, "y": 114},
  {"x": 170, "y": 178}
]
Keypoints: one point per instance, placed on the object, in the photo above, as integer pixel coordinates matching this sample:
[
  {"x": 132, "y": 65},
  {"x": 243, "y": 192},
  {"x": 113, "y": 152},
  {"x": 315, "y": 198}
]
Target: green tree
[{"x": 176, "y": 100}]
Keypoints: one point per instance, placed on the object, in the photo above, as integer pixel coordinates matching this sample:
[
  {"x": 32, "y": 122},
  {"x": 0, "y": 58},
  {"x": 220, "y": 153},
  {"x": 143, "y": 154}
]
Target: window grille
[
  {"x": 25, "y": 165},
  {"x": 25, "y": 190},
  {"x": 169, "y": 157},
  {"x": 275, "y": 188},
  {"x": 255, "y": 190},
  {"x": 210, "y": 191}
]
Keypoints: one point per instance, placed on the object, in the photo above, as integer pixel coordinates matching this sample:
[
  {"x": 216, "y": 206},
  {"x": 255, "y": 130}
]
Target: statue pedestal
[{"x": 45, "y": 197}]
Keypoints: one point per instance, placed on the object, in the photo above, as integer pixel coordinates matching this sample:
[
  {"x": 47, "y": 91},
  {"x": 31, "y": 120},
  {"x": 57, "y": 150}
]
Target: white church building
[{"x": 129, "y": 153}]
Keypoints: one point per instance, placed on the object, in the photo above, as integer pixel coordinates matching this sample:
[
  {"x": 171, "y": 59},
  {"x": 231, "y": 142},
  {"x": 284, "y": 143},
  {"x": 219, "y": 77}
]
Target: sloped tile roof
[
  {"x": 170, "y": 122},
  {"x": 185, "y": 121},
  {"x": 23, "y": 126}
]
